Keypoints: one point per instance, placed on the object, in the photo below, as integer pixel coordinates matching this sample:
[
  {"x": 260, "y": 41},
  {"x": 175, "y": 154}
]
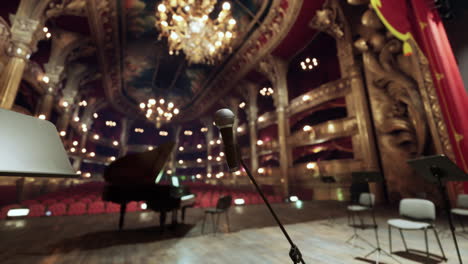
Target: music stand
[
  {"x": 367, "y": 177},
  {"x": 329, "y": 180},
  {"x": 31, "y": 147},
  {"x": 440, "y": 169}
]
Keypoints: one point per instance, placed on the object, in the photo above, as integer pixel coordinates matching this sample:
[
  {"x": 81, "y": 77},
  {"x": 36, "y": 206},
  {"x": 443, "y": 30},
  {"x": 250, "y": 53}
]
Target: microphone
[{"x": 224, "y": 120}]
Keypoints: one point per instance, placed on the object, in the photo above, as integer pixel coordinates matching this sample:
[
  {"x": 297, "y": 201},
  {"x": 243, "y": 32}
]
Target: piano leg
[
  {"x": 183, "y": 214},
  {"x": 123, "y": 209},
  {"x": 174, "y": 217},
  {"x": 162, "y": 219}
]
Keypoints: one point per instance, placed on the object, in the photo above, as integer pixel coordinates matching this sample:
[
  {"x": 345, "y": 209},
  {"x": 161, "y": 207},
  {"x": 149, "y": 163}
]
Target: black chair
[{"x": 222, "y": 206}]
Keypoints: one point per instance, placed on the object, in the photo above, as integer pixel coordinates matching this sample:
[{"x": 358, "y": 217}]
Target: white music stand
[{"x": 31, "y": 147}]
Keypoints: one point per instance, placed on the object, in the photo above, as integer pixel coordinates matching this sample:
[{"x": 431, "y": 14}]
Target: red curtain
[
  {"x": 431, "y": 36},
  {"x": 419, "y": 20}
]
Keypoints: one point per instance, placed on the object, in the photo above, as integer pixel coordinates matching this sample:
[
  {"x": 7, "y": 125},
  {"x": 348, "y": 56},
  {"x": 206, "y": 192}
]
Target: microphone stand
[{"x": 294, "y": 252}]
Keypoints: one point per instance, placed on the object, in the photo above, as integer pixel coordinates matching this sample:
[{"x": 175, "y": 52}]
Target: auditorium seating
[
  {"x": 36, "y": 210},
  {"x": 96, "y": 207},
  {"x": 77, "y": 208},
  {"x": 86, "y": 199},
  {"x": 58, "y": 209}
]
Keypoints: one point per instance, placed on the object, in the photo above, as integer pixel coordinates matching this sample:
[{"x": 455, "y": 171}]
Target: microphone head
[{"x": 224, "y": 118}]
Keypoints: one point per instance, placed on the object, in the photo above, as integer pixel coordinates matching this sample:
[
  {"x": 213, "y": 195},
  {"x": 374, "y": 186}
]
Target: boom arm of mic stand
[{"x": 294, "y": 252}]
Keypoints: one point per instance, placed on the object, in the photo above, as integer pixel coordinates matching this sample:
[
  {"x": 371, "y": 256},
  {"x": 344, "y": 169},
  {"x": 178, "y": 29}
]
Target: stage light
[
  {"x": 95, "y": 115},
  {"x": 311, "y": 165},
  {"x": 212, "y": 142},
  {"x": 237, "y": 173},
  {"x": 78, "y": 172},
  {"x": 293, "y": 198},
  {"x": 112, "y": 158},
  {"x": 83, "y": 150},
  {"x": 198, "y": 176},
  {"x": 181, "y": 148},
  {"x": 188, "y": 132},
  {"x": 307, "y": 128},
  {"x": 143, "y": 206},
  {"x": 65, "y": 104},
  {"x": 199, "y": 146},
  {"x": 139, "y": 130},
  {"x": 45, "y": 79},
  {"x": 96, "y": 137},
  {"x": 259, "y": 142},
  {"x": 221, "y": 154},
  {"x": 204, "y": 129},
  {"x": 239, "y": 129},
  {"x": 45, "y": 29},
  {"x": 218, "y": 141},
  {"x": 181, "y": 161},
  {"x": 208, "y": 175},
  {"x": 199, "y": 160},
  {"x": 92, "y": 154},
  {"x": 242, "y": 105},
  {"x": 48, "y": 213},
  {"x": 169, "y": 171},
  {"x": 115, "y": 143},
  {"x": 87, "y": 175},
  {"x": 63, "y": 133},
  {"x": 218, "y": 158},
  {"x": 75, "y": 143},
  {"x": 72, "y": 150},
  {"x": 150, "y": 148},
  {"x": 76, "y": 119},
  {"x": 48, "y": 35},
  {"x": 163, "y": 133},
  {"x": 42, "y": 116},
  {"x": 261, "y": 170},
  {"x": 239, "y": 201},
  {"x": 261, "y": 119},
  {"x": 18, "y": 212},
  {"x": 210, "y": 157}
]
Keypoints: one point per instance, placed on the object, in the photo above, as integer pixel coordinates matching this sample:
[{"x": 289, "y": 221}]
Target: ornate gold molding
[
  {"x": 320, "y": 95},
  {"x": 324, "y": 132}
]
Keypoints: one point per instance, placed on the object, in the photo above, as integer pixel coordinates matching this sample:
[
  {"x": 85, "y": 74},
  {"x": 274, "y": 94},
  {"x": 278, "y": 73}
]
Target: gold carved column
[
  {"x": 22, "y": 39},
  {"x": 276, "y": 70},
  {"x": 252, "y": 115},
  {"x": 207, "y": 122}
]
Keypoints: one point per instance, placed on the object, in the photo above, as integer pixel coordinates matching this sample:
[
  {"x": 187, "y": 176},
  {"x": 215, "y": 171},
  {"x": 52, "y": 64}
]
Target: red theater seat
[
  {"x": 29, "y": 202},
  {"x": 86, "y": 200},
  {"x": 96, "y": 207},
  {"x": 67, "y": 201},
  {"x": 36, "y": 210},
  {"x": 58, "y": 209},
  {"x": 78, "y": 208},
  {"x": 132, "y": 206},
  {"x": 48, "y": 202},
  {"x": 112, "y": 208}
]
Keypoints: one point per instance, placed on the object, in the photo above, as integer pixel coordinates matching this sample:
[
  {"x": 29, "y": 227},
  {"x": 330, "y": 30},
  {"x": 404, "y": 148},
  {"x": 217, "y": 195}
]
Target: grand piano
[{"x": 135, "y": 177}]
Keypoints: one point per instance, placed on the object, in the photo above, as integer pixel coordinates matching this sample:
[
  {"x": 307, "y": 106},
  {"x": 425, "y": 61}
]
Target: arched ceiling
[{"x": 127, "y": 64}]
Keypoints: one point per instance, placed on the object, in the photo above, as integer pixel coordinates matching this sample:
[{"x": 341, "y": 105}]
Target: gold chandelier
[
  {"x": 188, "y": 27},
  {"x": 158, "y": 111}
]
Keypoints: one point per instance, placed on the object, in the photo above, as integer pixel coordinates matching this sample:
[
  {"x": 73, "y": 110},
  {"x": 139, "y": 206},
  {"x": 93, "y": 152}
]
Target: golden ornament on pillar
[
  {"x": 358, "y": 2},
  {"x": 370, "y": 19}
]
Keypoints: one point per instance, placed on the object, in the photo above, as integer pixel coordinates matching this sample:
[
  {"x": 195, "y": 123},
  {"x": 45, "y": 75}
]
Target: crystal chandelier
[
  {"x": 158, "y": 111},
  {"x": 188, "y": 27}
]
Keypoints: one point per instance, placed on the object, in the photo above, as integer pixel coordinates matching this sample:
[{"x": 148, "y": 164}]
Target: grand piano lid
[
  {"x": 31, "y": 147},
  {"x": 140, "y": 168}
]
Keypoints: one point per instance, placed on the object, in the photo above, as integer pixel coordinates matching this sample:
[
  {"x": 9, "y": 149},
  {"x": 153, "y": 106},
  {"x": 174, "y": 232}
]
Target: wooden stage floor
[{"x": 253, "y": 238}]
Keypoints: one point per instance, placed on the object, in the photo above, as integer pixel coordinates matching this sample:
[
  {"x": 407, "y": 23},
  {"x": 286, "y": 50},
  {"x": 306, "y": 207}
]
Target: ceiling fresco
[{"x": 149, "y": 70}]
